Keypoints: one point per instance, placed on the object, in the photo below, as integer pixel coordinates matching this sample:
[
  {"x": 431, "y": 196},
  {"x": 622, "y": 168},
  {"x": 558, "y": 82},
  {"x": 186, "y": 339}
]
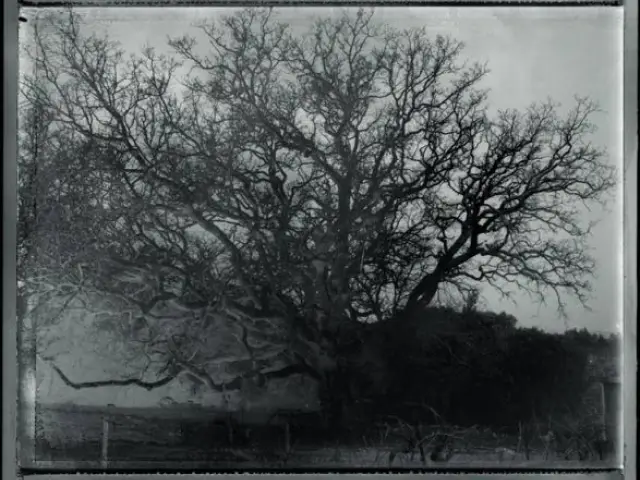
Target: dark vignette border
[{"x": 10, "y": 370}]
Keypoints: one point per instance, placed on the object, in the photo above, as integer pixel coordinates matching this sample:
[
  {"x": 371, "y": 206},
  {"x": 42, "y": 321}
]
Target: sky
[{"x": 532, "y": 53}]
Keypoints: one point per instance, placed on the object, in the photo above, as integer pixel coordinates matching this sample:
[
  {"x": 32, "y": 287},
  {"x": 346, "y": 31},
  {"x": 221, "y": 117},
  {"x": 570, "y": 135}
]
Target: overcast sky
[{"x": 532, "y": 53}]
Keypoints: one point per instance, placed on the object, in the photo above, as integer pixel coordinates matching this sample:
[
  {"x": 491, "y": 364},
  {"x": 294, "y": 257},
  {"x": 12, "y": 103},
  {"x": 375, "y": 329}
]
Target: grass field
[{"x": 70, "y": 437}]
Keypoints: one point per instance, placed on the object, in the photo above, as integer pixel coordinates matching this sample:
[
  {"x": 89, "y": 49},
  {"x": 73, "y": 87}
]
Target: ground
[{"x": 67, "y": 438}]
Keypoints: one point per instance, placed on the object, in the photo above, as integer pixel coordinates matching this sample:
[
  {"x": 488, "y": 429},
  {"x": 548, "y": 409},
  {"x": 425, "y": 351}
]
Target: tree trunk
[
  {"x": 335, "y": 398},
  {"x": 422, "y": 295}
]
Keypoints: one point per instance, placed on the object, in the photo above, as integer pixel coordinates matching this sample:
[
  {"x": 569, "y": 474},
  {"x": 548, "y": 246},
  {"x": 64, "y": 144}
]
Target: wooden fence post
[
  {"x": 602, "y": 420},
  {"x": 287, "y": 437},
  {"x": 612, "y": 415},
  {"x": 104, "y": 457}
]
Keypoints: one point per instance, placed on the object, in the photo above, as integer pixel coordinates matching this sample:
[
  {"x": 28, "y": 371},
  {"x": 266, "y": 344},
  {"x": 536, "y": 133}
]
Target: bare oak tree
[{"x": 263, "y": 192}]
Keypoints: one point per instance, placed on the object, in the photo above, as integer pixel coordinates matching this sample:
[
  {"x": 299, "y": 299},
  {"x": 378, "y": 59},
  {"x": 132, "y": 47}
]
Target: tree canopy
[{"x": 245, "y": 206}]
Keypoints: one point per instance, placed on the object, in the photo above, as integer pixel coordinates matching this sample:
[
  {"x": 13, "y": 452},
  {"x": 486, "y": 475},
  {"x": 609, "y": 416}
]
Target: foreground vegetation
[{"x": 142, "y": 441}]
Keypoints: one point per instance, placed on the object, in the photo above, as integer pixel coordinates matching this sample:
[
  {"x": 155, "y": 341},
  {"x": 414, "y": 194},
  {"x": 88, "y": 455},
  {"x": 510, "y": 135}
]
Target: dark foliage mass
[{"x": 481, "y": 369}]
